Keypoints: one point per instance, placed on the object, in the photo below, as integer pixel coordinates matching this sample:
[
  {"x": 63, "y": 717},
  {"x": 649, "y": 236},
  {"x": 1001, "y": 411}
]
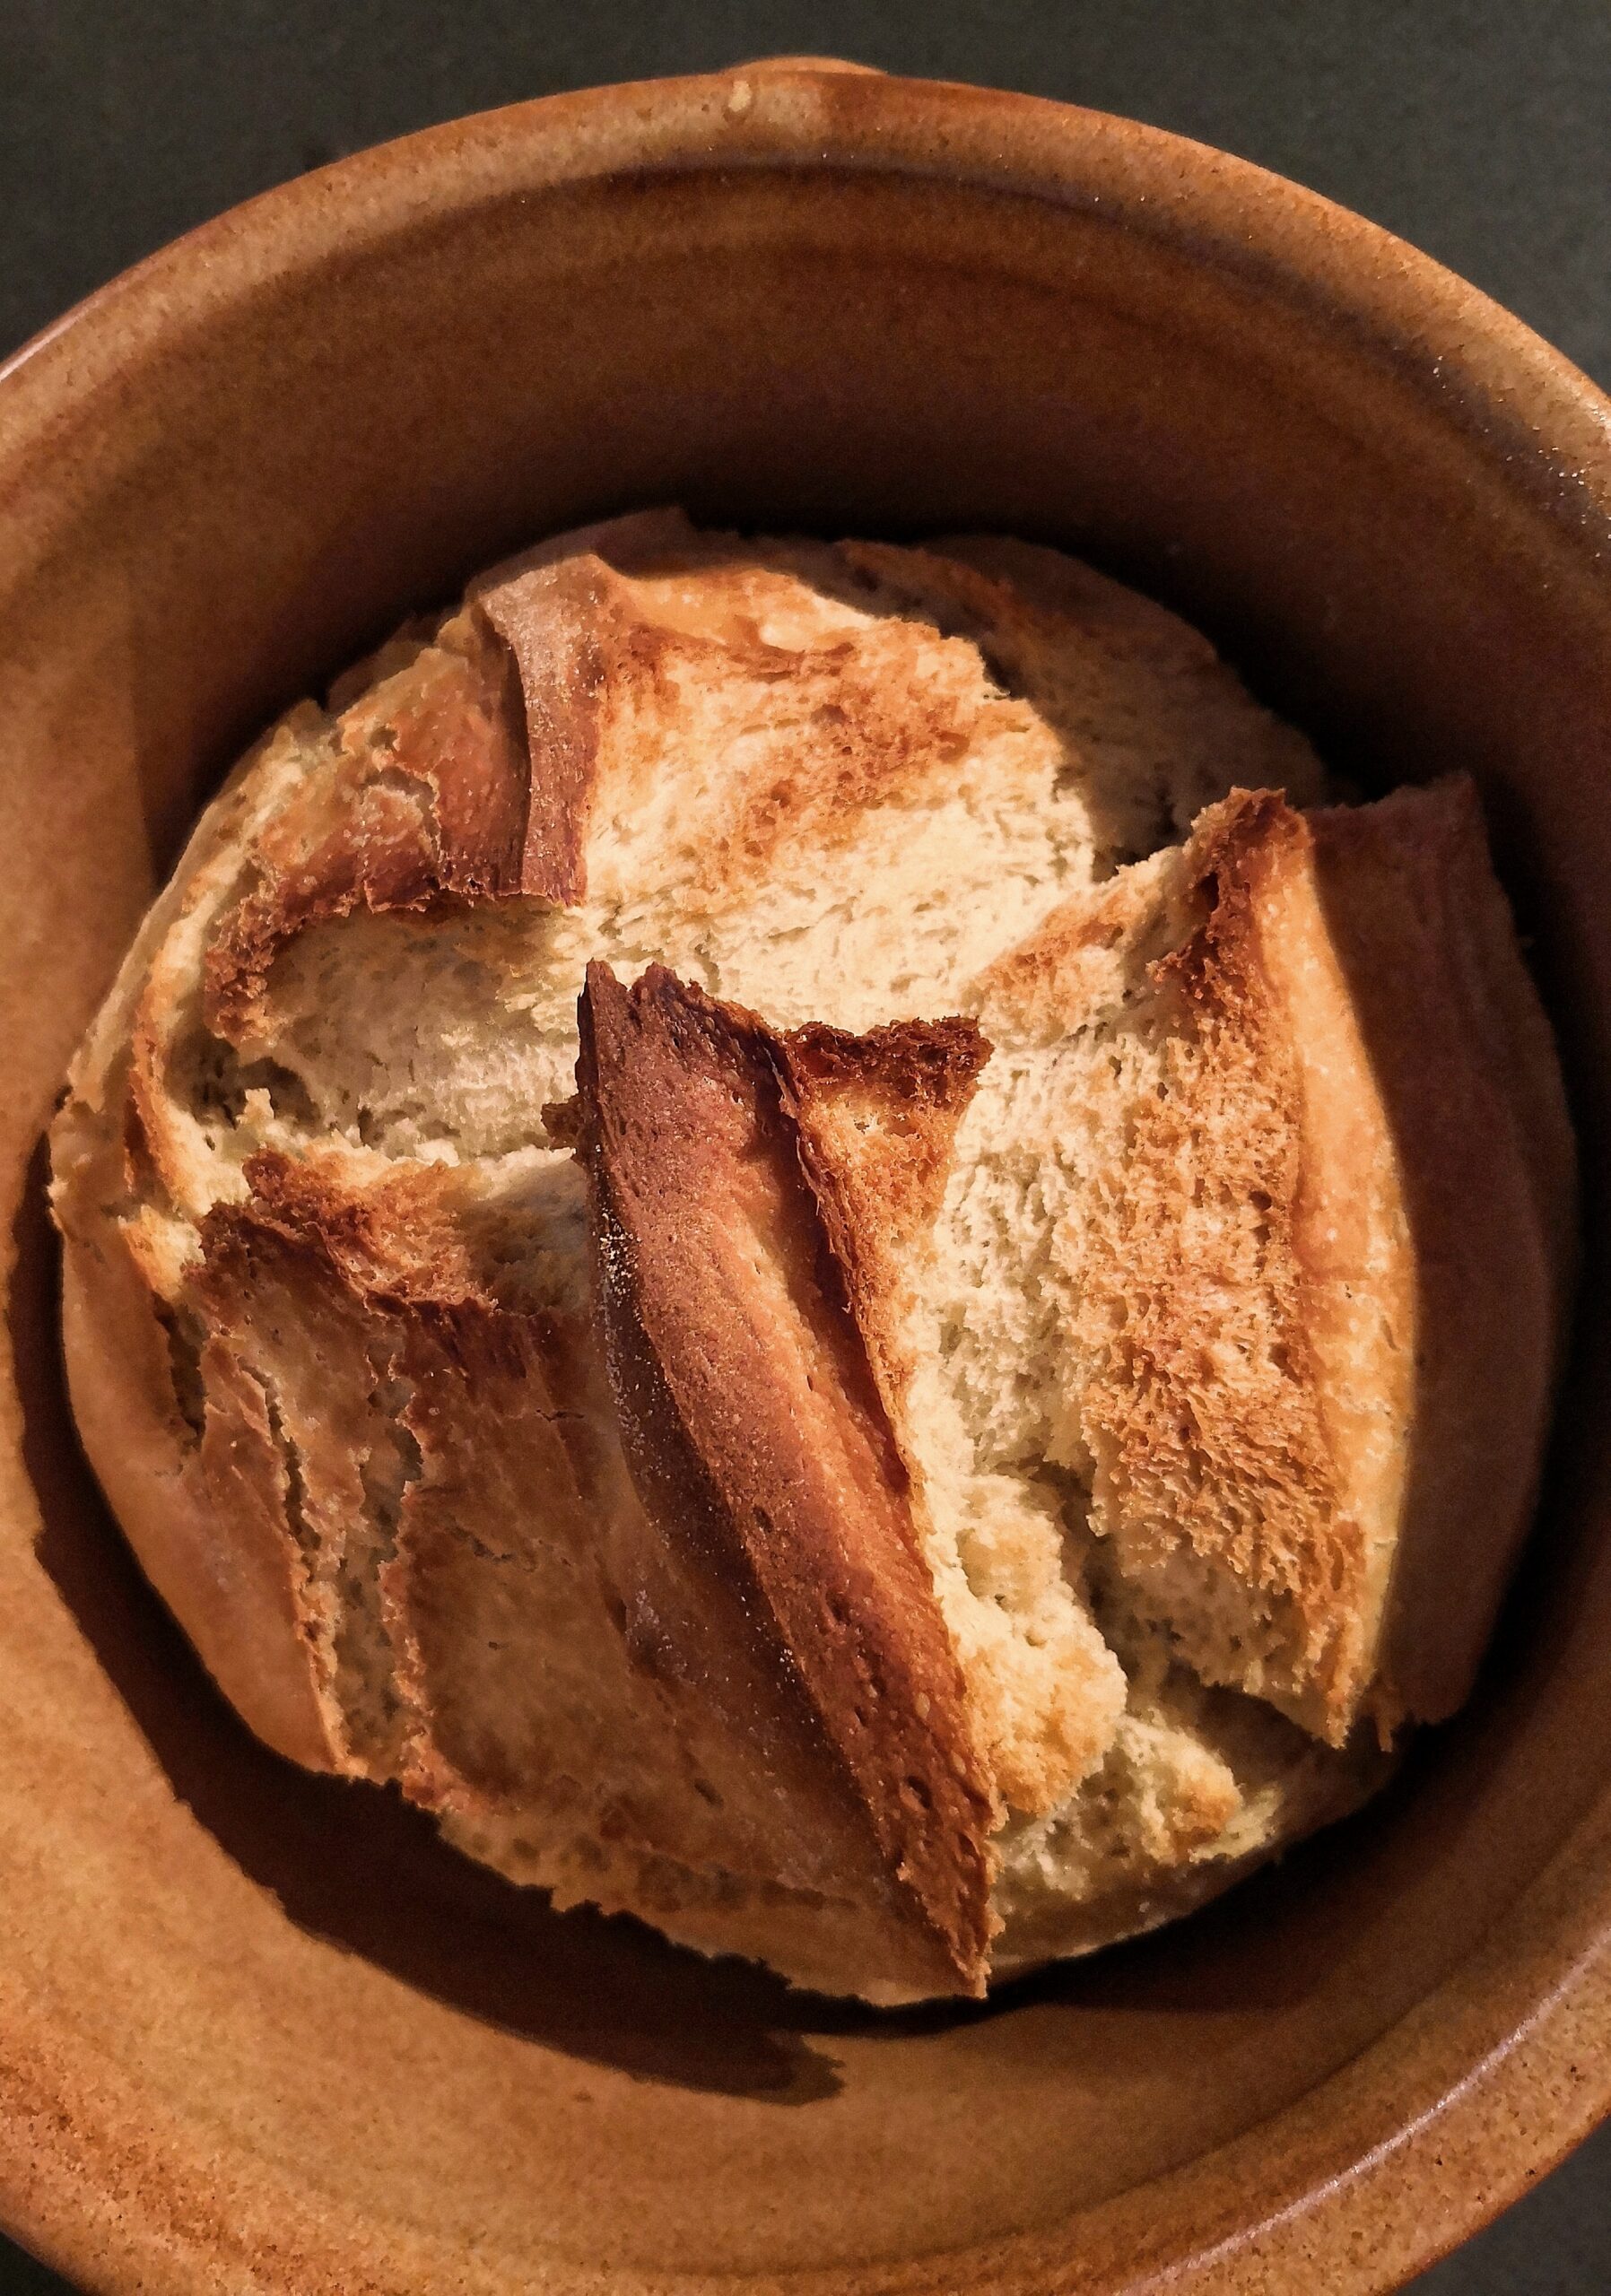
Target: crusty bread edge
[
  {"x": 232, "y": 1593},
  {"x": 1479, "y": 1113}
]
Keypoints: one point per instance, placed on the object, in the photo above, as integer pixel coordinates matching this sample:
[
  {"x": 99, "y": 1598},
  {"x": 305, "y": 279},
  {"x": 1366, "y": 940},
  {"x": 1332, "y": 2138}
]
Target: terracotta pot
[{"x": 260, "y": 2031}]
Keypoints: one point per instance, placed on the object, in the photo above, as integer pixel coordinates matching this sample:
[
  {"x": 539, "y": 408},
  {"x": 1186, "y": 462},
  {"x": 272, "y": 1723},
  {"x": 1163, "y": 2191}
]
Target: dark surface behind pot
[{"x": 1480, "y": 133}]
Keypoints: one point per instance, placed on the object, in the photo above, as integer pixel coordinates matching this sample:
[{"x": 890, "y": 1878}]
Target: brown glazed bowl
[{"x": 261, "y": 2032}]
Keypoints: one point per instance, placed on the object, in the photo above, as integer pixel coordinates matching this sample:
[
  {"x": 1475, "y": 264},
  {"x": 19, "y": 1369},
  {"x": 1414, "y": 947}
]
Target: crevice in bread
[
  {"x": 999, "y": 1523},
  {"x": 1198, "y": 1785},
  {"x": 366, "y": 1681},
  {"x": 345, "y": 1566},
  {"x": 186, "y": 1337},
  {"x": 422, "y": 789},
  {"x": 228, "y": 1094},
  {"x": 293, "y": 1481}
]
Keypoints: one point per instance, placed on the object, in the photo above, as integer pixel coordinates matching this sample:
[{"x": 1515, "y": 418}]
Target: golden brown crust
[
  {"x": 233, "y": 1591},
  {"x": 1461, "y": 1055},
  {"x": 558, "y": 623},
  {"x": 423, "y": 794},
  {"x": 1019, "y": 593},
  {"x": 883, "y": 711},
  {"x": 748, "y": 1405}
]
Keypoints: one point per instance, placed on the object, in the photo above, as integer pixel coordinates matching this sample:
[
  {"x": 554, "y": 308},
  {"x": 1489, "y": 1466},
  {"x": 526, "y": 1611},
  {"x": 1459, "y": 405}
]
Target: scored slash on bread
[{"x": 898, "y": 1497}]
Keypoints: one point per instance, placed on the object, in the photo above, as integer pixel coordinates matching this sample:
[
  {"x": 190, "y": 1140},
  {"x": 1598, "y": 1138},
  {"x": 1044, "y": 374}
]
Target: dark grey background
[{"x": 1480, "y": 131}]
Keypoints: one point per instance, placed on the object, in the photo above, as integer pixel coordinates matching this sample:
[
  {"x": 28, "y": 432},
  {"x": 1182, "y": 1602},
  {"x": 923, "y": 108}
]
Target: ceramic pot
[{"x": 261, "y": 2031}]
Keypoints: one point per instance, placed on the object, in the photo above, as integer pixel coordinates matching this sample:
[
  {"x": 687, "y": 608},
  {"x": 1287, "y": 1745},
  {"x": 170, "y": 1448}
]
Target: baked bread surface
[{"x": 1010, "y": 1369}]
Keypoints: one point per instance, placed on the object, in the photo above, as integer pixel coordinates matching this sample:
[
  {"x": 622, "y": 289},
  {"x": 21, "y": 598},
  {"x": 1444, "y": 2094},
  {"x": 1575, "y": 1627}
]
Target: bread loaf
[{"x": 987, "y": 1386}]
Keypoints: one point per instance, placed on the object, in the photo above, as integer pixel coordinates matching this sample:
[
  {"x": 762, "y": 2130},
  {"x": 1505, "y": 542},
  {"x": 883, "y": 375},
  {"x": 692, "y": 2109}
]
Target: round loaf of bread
[{"x": 796, "y": 1230}]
